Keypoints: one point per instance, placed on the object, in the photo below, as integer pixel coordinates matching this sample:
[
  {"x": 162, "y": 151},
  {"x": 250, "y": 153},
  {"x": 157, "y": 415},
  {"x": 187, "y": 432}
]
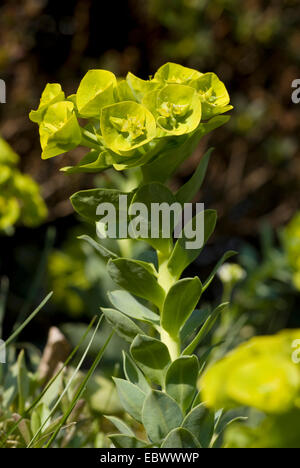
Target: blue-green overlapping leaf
[
  {"x": 139, "y": 278},
  {"x": 152, "y": 357},
  {"x": 182, "y": 256},
  {"x": 161, "y": 414},
  {"x": 181, "y": 380},
  {"x": 180, "y": 302}
]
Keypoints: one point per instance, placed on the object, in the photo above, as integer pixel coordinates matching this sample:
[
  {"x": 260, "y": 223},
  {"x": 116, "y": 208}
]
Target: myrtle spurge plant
[{"x": 154, "y": 125}]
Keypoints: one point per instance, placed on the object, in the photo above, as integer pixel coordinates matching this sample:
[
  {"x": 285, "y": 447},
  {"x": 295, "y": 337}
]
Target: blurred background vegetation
[{"x": 254, "y": 177}]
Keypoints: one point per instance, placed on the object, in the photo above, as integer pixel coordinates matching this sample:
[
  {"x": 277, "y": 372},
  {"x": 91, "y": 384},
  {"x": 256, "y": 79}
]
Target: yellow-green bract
[{"x": 131, "y": 122}]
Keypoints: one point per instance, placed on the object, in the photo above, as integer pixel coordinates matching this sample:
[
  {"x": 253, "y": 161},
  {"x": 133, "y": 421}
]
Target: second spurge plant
[{"x": 154, "y": 125}]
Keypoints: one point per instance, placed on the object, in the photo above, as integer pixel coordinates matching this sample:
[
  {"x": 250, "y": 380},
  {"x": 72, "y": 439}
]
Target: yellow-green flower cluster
[
  {"x": 263, "y": 373},
  {"x": 129, "y": 122},
  {"x": 20, "y": 199}
]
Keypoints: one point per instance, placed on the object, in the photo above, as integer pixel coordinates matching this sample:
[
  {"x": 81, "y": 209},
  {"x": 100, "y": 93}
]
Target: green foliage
[
  {"x": 42, "y": 411},
  {"x": 20, "y": 199}
]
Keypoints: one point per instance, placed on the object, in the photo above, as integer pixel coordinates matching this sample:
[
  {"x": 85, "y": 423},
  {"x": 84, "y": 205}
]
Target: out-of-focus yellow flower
[{"x": 260, "y": 373}]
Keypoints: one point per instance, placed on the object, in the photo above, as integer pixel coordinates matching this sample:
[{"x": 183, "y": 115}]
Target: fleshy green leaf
[
  {"x": 180, "y": 438},
  {"x": 95, "y": 161},
  {"x": 133, "y": 374},
  {"x": 131, "y": 397},
  {"x": 165, "y": 202},
  {"x": 200, "y": 422},
  {"x": 161, "y": 414},
  {"x": 122, "y": 325},
  {"x": 120, "y": 425},
  {"x": 86, "y": 202},
  {"x": 152, "y": 356},
  {"x": 127, "y": 304},
  {"x": 181, "y": 380},
  {"x": 181, "y": 256},
  {"x": 180, "y": 302},
  {"x": 135, "y": 277},
  {"x": 104, "y": 253}
]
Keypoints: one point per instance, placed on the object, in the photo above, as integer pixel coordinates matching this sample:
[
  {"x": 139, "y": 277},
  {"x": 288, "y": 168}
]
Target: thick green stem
[
  {"x": 173, "y": 344},
  {"x": 165, "y": 278},
  {"x": 166, "y": 281}
]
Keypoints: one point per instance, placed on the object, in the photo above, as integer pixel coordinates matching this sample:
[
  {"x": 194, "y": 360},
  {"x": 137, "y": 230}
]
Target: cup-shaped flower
[
  {"x": 177, "y": 109},
  {"x": 213, "y": 95},
  {"x": 126, "y": 126},
  {"x": 172, "y": 73},
  {"x": 95, "y": 91},
  {"x": 51, "y": 94},
  {"x": 59, "y": 130}
]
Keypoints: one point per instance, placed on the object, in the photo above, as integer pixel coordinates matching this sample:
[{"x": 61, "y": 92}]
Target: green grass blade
[
  {"x": 26, "y": 322},
  {"x": 68, "y": 384},
  {"x": 80, "y": 390},
  {"x": 38, "y": 399}
]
